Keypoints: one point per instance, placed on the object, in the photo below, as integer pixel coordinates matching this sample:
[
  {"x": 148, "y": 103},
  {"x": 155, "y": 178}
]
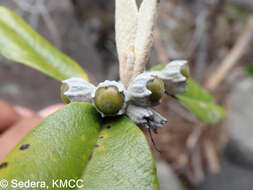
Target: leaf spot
[
  {"x": 24, "y": 146},
  {"x": 108, "y": 127},
  {"x": 3, "y": 165}
]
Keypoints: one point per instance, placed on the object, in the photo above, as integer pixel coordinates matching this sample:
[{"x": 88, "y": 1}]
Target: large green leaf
[
  {"x": 200, "y": 103},
  {"x": 20, "y": 43},
  {"x": 122, "y": 160},
  {"x": 74, "y": 144}
]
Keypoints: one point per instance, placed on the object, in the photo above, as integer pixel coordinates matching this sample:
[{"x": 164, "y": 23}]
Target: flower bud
[
  {"x": 157, "y": 88},
  {"x": 145, "y": 90},
  {"x": 174, "y": 76},
  {"x": 185, "y": 70},
  {"x": 78, "y": 90},
  {"x": 109, "y": 98}
]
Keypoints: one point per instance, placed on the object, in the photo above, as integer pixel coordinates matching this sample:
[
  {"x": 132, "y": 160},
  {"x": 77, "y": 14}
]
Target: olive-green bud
[
  {"x": 174, "y": 76},
  {"x": 145, "y": 90},
  {"x": 156, "y": 86},
  {"x": 185, "y": 70},
  {"x": 108, "y": 100},
  {"x": 64, "y": 88}
]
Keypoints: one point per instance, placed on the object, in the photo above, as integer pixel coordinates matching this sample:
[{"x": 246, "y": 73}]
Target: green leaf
[
  {"x": 249, "y": 70},
  {"x": 158, "y": 67},
  {"x": 20, "y": 43},
  {"x": 194, "y": 91},
  {"x": 200, "y": 103},
  {"x": 206, "y": 112},
  {"x": 74, "y": 144},
  {"x": 122, "y": 160}
]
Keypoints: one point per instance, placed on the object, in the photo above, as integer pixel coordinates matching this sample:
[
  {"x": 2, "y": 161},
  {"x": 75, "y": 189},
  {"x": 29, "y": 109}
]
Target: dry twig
[
  {"x": 233, "y": 57},
  {"x": 211, "y": 156}
]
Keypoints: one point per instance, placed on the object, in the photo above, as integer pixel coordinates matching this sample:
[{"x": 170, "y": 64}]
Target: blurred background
[{"x": 214, "y": 35}]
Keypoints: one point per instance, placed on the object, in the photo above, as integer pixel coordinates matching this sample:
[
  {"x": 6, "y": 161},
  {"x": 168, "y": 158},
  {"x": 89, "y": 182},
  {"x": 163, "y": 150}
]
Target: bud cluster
[{"x": 111, "y": 98}]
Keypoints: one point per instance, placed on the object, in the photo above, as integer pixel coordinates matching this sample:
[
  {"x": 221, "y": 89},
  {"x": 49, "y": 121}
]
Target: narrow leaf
[
  {"x": 200, "y": 103},
  {"x": 126, "y": 19},
  {"x": 207, "y": 112},
  {"x": 20, "y": 43},
  {"x": 194, "y": 91},
  {"x": 144, "y": 35}
]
